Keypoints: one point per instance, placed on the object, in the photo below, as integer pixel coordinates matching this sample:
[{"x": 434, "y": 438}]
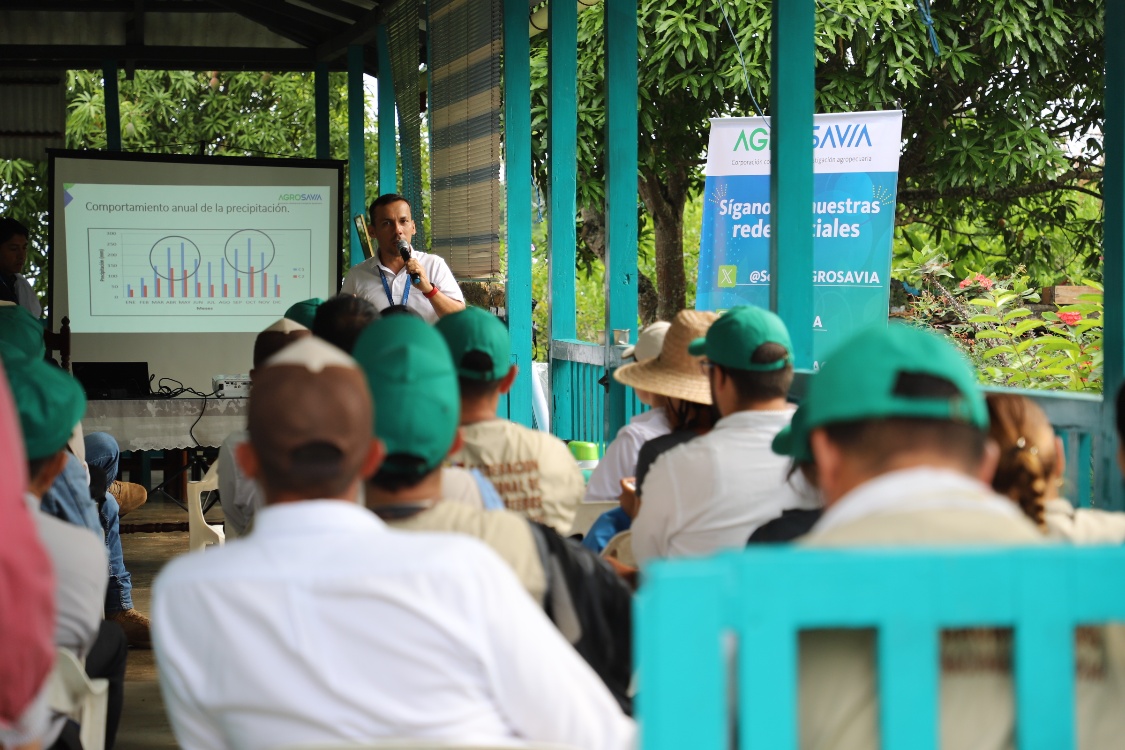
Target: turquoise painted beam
[
  {"x": 357, "y": 158},
  {"x": 1110, "y": 491},
  {"x": 517, "y": 171},
  {"x": 792, "y": 79},
  {"x": 320, "y": 105},
  {"x": 112, "y": 106},
  {"x": 388, "y": 160},
  {"x": 562, "y": 150},
  {"x": 620, "y": 193}
]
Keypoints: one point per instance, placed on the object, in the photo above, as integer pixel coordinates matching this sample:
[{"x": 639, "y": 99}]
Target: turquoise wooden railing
[
  {"x": 687, "y": 610},
  {"x": 580, "y": 398}
]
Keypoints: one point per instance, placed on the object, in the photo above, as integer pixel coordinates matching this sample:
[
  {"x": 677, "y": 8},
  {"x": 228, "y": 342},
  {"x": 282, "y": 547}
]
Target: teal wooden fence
[{"x": 687, "y": 610}]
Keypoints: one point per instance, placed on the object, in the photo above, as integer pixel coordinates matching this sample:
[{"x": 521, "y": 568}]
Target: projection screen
[{"x": 181, "y": 261}]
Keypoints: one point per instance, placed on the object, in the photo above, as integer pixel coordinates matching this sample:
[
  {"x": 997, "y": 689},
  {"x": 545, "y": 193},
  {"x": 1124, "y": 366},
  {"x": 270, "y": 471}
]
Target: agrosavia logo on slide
[
  {"x": 852, "y": 135},
  {"x": 300, "y": 198}
]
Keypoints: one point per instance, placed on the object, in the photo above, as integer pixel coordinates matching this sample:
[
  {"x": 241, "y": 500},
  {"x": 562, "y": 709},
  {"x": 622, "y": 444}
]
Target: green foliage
[
  {"x": 1001, "y": 164},
  {"x": 995, "y": 321},
  {"x": 1061, "y": 351},
  {"x": 184, "y": 112}
]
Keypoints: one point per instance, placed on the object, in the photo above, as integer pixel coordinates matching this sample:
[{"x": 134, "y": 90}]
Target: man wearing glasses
[{"x": 712, "y": 493}]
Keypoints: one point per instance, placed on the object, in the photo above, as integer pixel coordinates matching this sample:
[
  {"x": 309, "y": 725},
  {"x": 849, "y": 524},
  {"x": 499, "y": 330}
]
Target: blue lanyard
[{"x": 387, "y": 289}]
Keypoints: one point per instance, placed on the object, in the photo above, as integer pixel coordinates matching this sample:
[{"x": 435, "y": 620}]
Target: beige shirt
[
  {"x": 506, "y": 533},
  {"x": 532, "y": 470},
  {"x": 839, "y": 706},
  {"x": 1083, "y": 525}
]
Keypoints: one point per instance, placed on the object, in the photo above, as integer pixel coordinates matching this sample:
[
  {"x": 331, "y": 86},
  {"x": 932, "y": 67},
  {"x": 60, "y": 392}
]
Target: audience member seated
[
  {"x": 620, "y": 458},
  {"x": 326, "y": 626},
  {"x": 340, "y": 320},
  {"x": 712, "y": 493},
  {"x": 418, "y": 280},
  {"x": 51, "y": 403},
  {"x": 407, "y": 362},
  {"x": 239, "y": 495},
  {"x": 304, "y": 312},
  {"x": 1030, "y": 471},
  {"x": 897, "y": 426},
  {"x": 76, "y": 498},
  {"x": 27, "y": 601},
  {"x": 674, "y": 381},
  {"x": 793, "y": 522},
  {"x": 14, "y": 286},
  {"x": 533, "y": 471}
]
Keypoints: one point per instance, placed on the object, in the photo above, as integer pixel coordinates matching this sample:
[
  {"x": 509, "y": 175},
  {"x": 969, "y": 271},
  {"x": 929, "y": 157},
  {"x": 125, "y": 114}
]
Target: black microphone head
[{"x": 404, "y": 249}]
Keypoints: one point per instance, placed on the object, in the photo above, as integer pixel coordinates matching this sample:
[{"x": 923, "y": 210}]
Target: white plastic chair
[
  {"x": 587, "y": 513},
  {"x": 73, "y": 694},
  {"x": 200, "y": 533},
  {"x": 621, "y": 548}
]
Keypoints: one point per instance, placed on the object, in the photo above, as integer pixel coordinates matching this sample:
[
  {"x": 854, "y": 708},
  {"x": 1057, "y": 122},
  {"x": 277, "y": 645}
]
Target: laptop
[{"x": 113, "y": 380}]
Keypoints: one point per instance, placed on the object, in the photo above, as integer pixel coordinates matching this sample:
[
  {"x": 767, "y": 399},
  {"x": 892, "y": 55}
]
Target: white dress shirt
[
  {"x": 363, "y": 281},
  {"x": 26, "y": 295},
  {"x": 712, "y": 492},
  {"x": 80, "y": 561},
  {"x": 620, "y": 459},
  {"x": 323, "y": 625}
]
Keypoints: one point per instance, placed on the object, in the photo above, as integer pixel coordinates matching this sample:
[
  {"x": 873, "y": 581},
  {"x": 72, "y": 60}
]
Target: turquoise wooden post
[
  {"x": 620, "y": 192},
  {"x": 562, "y": 150},
  {"x": 793, "y": 65},
  {"x": 112, "y": 106},
  {"x": 517, "y": 168},
  {"x": 1110, "y": 490},
  {"x": 320, "y": 103},
  {"x": 388, "y": 164},
  {"x": 357, "y": 158}
]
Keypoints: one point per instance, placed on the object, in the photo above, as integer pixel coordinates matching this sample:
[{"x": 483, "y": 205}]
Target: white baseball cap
[{"x": 649, "y": 343}]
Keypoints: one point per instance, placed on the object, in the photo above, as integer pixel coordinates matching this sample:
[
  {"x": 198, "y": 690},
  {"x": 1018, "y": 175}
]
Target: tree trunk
[
  {"x": 592, "y": 231},
  {"x": 647, "y": 300},
  {"x": 665, "y": 196}
]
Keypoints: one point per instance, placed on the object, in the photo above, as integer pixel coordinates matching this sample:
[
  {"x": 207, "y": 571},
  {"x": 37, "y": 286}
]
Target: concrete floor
[{"x": 144, "y": 724}]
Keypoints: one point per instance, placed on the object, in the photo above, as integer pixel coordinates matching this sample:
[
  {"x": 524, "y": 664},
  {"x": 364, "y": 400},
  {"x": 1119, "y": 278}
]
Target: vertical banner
[{"x": 855, "y": 165}]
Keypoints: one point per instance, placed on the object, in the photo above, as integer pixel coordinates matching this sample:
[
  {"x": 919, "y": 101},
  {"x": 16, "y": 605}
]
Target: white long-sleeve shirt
[
  {"x": 712, "y": 492},
  {"x": 620, "y": 459},
  {"x": 323, "y": 625}
]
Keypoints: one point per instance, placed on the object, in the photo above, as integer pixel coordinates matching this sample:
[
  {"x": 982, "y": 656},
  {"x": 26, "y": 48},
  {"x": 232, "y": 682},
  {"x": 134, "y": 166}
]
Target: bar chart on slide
[{"x": 198, "y": 271}]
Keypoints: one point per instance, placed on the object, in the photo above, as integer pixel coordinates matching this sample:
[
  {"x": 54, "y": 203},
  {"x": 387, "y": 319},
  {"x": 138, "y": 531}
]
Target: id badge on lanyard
[{"x": 387, "y": 290}]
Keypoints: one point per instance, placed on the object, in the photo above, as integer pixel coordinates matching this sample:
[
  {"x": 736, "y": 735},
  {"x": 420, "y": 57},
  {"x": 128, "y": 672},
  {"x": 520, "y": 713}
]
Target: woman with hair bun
[{"x": 1030, "y": 471}]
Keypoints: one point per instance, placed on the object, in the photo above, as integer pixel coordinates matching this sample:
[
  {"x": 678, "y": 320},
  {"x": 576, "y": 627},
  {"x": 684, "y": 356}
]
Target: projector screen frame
[
  {"x": 223, "y": 353},
  {"x": 234, "y": 161}
]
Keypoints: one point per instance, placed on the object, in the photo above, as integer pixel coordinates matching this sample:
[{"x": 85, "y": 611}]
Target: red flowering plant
[
  {"x": 1061, "y": 350},
  {"x": 992, "y": 319}
]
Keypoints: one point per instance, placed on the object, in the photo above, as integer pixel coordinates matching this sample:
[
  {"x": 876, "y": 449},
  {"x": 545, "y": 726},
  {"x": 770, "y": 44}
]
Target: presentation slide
[{"x": 181, "y": 259}]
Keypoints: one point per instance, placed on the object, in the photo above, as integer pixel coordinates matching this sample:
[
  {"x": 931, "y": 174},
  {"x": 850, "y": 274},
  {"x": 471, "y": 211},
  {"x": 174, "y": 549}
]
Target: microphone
[{"x": 404, "y": 253}]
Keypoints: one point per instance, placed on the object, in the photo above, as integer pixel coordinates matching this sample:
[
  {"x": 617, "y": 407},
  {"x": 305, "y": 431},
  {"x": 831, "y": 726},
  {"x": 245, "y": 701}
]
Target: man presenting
[{"x": 398, "y": 274}]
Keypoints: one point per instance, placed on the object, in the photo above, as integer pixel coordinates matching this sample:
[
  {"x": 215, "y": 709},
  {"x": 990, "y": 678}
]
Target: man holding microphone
[{"x": 398, "y": 274}]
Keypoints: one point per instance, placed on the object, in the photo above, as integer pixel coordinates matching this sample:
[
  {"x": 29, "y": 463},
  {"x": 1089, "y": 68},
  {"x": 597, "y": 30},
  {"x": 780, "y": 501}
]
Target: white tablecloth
[{"x": 163, "y": 424}]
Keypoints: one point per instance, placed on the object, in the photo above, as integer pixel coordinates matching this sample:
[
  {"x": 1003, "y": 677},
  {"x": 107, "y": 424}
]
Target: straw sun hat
[{"x": 674, "y": 373}]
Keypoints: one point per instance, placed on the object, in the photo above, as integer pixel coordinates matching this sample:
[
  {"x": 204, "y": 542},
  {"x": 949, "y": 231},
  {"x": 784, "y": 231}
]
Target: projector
[{"x": 231, "y": 386}]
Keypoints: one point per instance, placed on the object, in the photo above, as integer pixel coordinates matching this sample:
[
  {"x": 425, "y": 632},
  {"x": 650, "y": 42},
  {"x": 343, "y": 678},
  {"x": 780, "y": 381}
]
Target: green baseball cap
[
  {"x": 786, "y": 443},
  {"x": 410, "y": 375},
  {"x": 859, "y": 382},
  {"x": 50, "y": 402},
  {"x": 304, "y": 312},
  {"x": 22, "y": 331},
  {"x": 476, "y": 330},
  {"x": 732, "y": 339}
]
